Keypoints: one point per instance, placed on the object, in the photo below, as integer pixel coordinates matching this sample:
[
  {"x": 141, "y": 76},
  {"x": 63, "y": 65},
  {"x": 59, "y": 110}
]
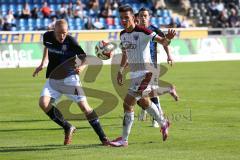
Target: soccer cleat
[
  {"x": 68, "y": 135},
  {"x": 173, "y": 93},
  {"x": 117, "y": 139},
  {"x": 155, "y": 124},
  {"x": 119, "y": 142},
  {"x": 106, "y": 142},
  {"x": 164, "y": 130}
]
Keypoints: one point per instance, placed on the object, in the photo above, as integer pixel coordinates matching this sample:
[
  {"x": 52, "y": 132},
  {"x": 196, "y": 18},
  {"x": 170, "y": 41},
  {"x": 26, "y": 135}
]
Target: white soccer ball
[{"x": 104, "y": 49}]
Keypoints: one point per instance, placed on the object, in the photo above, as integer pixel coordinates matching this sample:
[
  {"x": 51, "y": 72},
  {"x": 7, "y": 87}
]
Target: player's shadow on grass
[
  {"x": 36, "y": 129},
  {"x": 50, "y": 129},
  {"x": 23, "y": 121},
  {"x": 46, "y": 147},
  {"x": 45, "y": 120}
]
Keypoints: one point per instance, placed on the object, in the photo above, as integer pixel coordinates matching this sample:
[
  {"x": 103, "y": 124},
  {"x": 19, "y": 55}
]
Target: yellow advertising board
[{"x": 94, "y": 35}]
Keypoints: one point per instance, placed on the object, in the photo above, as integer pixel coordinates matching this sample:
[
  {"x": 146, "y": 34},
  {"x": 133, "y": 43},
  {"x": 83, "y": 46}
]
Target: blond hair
[{"x": 61, "y": 22}]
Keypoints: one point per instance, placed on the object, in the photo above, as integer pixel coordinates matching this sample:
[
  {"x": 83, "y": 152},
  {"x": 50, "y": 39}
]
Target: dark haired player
[
  {"x": 144, "y": 15},
  {"x": 135, "y": 42}
]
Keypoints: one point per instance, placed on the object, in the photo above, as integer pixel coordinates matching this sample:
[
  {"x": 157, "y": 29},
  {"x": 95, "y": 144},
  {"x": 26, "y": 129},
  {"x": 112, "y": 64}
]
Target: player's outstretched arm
[
  {"x": 122, "y": 66},
  {"x": 169, "y": 57},
  {"x": 171, "y": 34},
  {"x": 165, "y": 41},
  {"x": 44, "y": 59}
]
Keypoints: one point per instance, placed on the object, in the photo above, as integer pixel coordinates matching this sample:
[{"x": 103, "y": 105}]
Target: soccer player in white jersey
[
  {"x": 135, "y": 42},
  {"x": 144, "y": 16}
]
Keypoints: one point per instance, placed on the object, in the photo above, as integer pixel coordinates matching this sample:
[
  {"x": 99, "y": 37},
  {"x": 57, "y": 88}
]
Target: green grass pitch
[{"x": 205, "y": 122}]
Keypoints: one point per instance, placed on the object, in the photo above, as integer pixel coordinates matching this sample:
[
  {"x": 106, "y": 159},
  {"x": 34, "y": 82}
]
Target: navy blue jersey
[
  {"x": 62, "y": 54},
  {"x": 153, "y": 45}
]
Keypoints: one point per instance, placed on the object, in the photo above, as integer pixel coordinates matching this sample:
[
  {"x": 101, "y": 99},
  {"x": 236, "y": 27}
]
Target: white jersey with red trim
[{"x": 136, "y": 44}]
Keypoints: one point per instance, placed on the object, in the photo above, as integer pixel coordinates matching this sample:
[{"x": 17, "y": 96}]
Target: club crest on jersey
[
  {"x": 136, "y": 37},
  {"x": 64, "y": 47}
]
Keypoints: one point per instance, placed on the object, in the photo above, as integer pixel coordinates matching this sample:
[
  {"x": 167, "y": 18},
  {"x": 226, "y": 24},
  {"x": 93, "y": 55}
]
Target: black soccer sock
[
  {"x": 94, "y": 122},
  {"x": 155, "y": 101},
  {"x": 57, "y": 117}
]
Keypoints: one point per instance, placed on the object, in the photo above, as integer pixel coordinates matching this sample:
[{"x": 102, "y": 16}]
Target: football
[{"x": 104, "y": 49}]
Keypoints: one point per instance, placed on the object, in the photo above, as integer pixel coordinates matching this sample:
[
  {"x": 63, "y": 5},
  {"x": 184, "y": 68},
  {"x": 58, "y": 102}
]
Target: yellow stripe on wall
[{"x": 193, "y": 34}]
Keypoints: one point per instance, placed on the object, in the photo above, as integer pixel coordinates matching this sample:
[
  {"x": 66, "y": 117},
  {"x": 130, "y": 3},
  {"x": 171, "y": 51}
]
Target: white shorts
[
  {"x": 136, "y": 83},
  {"x": 70, "y": 86}
]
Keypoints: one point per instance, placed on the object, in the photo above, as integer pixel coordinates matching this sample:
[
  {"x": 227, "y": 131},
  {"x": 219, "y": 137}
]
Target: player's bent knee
[
  {"x": 46, "y": 103},
  {"x": 144, "y": 103},
  {"x": 84, "y": 106},
  {"x": 127, "y": 107}
]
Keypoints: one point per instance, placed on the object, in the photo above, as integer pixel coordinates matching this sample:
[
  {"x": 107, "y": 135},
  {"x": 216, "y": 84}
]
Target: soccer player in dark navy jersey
[
  {"x": 66, "y": 59},
  {"x": 59, "y": 53},
  {"x": 144, "y": 20}
]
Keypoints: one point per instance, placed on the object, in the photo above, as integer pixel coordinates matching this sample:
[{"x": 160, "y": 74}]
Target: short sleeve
[
  {"x": 149, "y": 33},
  {"x": 77, "y": 48}
]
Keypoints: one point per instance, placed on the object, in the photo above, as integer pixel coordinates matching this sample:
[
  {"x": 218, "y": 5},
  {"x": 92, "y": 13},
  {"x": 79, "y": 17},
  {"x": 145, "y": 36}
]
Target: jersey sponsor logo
[
  {"x": 48, "y": 42},
  {"x": 136, "y": 36},
  {"x": 128, "y": 45},
  {"x": 55, "y": 51}
]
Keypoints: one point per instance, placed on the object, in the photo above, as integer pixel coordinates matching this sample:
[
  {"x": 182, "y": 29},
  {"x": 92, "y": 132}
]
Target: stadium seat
[
  {"x": 154, "y": 21},
  {"x": 22, "y": 22},
  {"x": 80, "y": 27},
  {"x": 160, "y": 21},
  {"x": 85, "y": 13},
  {"x": 166, "y": 13},
  {"x": 177, "y": 21},
  {"x": 71, "y": 27},
  {"x": 102, "y": 20},
  {"x": 20, "y": 1},
  {"x": 167, "y": 20},
  {"x": 159, "y": 13},
  {"x": 19, "y": 7},
  {"x": 51, "y": 1},
  {"x": 39, "y": 23},
  {"x": 4, "y": 8},
  {"x": 70, "y": 21},
  {"x": 117, "y": 21},
  {"x": 54, "y": 7},
  {"x": 46, "y": 22},
  {"x": 119, "y": 27},
  {"x": 115, "y": 13},
  {"x": 30, "y": 22},
  {"x": 78, "y": 22},
  {"x": 14, "y": 28},
  {"x": 22, "y": 28},
  {"x": 111, "y": 27}
]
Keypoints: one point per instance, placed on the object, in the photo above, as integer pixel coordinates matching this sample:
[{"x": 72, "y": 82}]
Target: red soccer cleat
[
  {"x": 119, "y": 142},
  {"x": 68, "y": 135},
  {"x": 164, "y": 130}
]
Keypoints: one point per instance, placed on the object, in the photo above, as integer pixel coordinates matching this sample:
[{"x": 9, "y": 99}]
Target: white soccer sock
[
  {"x": 159, "y": 107},
  {"x": 162, "y": 90},
  {"x": 127, "y": 124},
  {"x": 153, "y": 111}
]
